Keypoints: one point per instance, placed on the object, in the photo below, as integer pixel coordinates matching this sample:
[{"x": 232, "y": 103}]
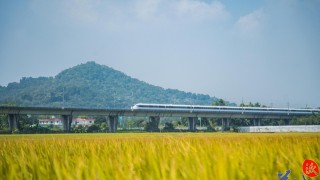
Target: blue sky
[{"x": 265, "y": 51}]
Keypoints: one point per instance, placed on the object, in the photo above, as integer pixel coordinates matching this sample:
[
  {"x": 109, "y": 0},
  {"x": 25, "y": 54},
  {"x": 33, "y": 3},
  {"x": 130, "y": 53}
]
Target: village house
[{"x": 58, "y": 122}]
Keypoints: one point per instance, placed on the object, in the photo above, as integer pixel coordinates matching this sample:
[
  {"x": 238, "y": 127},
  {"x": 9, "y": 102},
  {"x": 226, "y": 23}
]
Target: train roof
[{"x": 226, "y": 107}]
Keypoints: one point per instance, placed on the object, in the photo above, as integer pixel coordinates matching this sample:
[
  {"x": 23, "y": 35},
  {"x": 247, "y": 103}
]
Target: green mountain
[{"x": 91, "y": 85}]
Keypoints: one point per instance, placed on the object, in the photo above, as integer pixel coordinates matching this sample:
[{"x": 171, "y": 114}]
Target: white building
[
  {"x": 82, "y": 121},
  {"x": 51, "y": 121},
  {"x": 75, "y": 121}
]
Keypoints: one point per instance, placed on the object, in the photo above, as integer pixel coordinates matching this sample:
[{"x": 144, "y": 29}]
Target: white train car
[{"x": 222, "y": 109}]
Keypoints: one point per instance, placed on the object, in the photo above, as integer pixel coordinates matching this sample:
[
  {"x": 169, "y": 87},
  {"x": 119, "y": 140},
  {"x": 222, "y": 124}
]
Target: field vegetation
[{"x": 156, "y": 155}]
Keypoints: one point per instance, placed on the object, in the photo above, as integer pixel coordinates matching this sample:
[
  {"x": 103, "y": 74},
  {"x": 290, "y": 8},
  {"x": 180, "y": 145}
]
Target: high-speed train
[{"x": 231, "y": 109}]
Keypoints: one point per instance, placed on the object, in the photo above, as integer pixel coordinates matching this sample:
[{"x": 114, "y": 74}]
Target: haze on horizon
[{"x": 263, "y": 51}]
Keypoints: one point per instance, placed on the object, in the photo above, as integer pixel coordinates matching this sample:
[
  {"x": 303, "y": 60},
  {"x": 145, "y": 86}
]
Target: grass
[{"x": 156, "y": 155}]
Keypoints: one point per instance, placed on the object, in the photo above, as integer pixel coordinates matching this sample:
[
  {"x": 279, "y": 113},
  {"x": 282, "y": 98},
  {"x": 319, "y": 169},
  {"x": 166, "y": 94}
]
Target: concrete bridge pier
[
  {"x": 287, "y": 122},
  {"x": 192, "y": 121},
  {"x": 13, "y": 121},
  {"x": 154, "y": 122},
  {"x": 112, "y": 123},
  {"x": 225, "y": 124},
  {"x": 66, "y": 123},
  {"x": 257, "y": 122}
]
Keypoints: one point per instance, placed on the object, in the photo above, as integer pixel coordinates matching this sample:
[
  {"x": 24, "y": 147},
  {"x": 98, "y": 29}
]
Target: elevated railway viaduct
[{"x": 155, "y": 111}]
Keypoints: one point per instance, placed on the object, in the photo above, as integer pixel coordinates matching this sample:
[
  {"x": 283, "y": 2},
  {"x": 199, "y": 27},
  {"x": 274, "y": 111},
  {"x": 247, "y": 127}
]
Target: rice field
[{"x": 156, "y": 155}]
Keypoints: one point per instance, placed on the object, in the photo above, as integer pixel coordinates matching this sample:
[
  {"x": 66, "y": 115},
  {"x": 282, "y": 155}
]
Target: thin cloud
[
  {"x": 82, "y": 11},
  {"x": 251, "y": 23},
  {"x": 180, "y": 9},
  {"x": 146, "y": 9},
  {"x": 199, "y": 10},
  {"x": 119, "y": 13}
]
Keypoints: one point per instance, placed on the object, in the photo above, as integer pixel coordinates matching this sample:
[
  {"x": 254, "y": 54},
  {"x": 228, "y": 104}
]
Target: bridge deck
[{"x": 261, "y": 114}]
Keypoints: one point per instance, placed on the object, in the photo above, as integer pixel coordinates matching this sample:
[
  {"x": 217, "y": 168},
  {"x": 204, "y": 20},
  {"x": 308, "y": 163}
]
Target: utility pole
[
  {"x": 63, "y": 98},
  {"x": 132, "y": 102},
  {"x": 114, "y": 99}
]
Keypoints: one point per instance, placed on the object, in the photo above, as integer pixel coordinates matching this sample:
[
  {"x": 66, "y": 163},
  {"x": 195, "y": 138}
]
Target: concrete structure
[
  {"x": 13, "y": 121},
  {"x": 112, "y": 123},
  {"x": 192, "y": 121},
  {"x": 224, "y": 113},
  {"x": 67, "y": 120},
  {"x": 154, "y": 122},
  {"x": 257, "y": 122},
  {"x": 265, "y": 129},
  {"x": 225, "y": 122}
]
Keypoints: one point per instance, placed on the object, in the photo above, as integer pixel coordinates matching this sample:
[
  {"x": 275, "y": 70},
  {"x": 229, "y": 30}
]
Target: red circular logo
[{"x": 310, "y": 168}]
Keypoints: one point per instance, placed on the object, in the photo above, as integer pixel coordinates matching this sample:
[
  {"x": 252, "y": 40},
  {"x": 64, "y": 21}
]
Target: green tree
[
  {"x": 219, "y": 102},
  {"x": 140, "y": 123},
  {"x": 257, "y": 104},
  {"x": 93, "y": 128},
  {"x": 79, "y": 129},
  {"x": 103, "y": 127},
  {"x": 168, "y": 127},
  {"x": 212, "y": 124}
]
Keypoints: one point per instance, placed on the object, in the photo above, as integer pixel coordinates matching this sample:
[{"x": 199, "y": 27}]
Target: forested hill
[{"x": 91, "y": 85}]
